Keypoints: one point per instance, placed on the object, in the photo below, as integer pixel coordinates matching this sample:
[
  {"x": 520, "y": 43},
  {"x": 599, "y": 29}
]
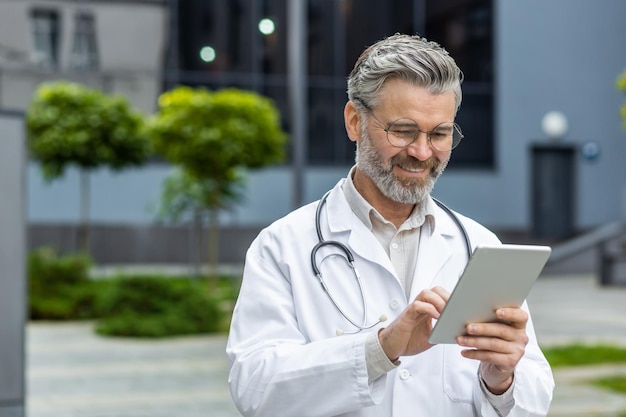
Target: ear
[{"x": 352, "y": 121}]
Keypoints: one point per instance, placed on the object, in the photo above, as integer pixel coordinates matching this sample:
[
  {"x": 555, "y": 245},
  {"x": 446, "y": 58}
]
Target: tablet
[{"x": 495, "y": 276}]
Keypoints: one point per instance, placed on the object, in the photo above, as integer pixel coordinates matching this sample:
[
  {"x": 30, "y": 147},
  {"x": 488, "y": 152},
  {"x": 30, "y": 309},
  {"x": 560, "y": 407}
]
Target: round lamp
[{"x": 554, "y": 124}]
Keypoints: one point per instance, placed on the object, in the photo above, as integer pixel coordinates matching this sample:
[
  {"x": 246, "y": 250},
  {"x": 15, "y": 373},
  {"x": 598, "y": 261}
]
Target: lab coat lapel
[
  {"x": 365, "y": 245},
  {"x": 361, "y": 241}
]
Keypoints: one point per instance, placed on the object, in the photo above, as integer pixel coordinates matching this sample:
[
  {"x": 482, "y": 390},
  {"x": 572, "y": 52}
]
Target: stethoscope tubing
[{"x": 350, "y": 259}]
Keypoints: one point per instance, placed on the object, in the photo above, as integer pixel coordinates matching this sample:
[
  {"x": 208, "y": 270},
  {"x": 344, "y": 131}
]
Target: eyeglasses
[{"x": 404, "y": 131}]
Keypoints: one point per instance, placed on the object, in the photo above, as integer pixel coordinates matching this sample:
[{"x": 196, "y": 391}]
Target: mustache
[{"x": 409, "y": 162}]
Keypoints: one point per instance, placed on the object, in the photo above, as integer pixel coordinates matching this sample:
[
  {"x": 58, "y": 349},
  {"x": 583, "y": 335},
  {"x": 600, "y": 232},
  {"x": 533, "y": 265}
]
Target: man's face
[{"x": 405, "y": 175}]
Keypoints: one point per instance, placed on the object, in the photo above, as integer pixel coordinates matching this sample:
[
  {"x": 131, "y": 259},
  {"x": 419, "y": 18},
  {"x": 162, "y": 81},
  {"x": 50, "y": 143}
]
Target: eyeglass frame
[{"x": 430, "y": 142}]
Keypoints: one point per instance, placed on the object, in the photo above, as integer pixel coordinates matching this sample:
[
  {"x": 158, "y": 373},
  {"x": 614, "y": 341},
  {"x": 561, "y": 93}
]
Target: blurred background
[
  {"x": 522, "y": 61},
  {"x": 541, "y": 161}
]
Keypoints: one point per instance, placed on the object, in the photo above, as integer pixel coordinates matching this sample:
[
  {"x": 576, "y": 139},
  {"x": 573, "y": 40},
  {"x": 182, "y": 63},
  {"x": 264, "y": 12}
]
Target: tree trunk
[
  {"x": 83, "y": 225},
  {"x": 213, "y": 245},
  {"x": 195, "y": 244}
]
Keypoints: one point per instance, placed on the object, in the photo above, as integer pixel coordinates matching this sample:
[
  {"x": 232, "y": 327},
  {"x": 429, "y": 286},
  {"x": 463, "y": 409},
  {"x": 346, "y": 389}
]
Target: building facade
[
  {"x": 520, "y": 60},
  {"x": 117, "y": 46}
]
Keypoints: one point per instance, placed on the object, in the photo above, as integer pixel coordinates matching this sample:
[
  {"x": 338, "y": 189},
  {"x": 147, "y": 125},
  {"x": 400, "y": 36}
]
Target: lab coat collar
[{"x": 434, "y": 250}]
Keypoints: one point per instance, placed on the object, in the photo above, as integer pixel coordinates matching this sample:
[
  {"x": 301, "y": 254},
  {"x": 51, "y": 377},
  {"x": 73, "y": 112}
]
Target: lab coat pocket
[{"x": 459, "y": 374}]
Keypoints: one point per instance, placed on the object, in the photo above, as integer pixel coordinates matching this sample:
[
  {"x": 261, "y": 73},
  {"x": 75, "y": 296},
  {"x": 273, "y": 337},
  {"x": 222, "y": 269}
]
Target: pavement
[{"x": 73, "y": 372}]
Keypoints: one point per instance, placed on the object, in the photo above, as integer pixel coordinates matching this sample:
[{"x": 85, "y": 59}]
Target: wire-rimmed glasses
[{"x": 404, "y": 131}]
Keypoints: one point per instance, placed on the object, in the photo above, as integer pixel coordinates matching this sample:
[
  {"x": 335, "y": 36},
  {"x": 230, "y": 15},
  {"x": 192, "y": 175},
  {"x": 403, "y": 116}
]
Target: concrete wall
[
  {"x": 12, "y": 265},
  {"x": 562, "y": 55},
  {"x": 130, "y": 38}
]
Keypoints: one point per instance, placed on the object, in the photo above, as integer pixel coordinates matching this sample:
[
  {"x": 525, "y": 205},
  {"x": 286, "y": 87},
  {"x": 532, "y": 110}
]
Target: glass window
[
  {"x": 219, "y": 38},
  {"x": 84, "y": 49},
  {"x": 46, "y": 33},
  {"x": 244, "y": 55},
  {"x": 465, "y": 29}
]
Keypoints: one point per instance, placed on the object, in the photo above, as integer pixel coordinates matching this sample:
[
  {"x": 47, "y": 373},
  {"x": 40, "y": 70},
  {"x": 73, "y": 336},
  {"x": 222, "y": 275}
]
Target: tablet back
[{"x": 495, "y": 276}]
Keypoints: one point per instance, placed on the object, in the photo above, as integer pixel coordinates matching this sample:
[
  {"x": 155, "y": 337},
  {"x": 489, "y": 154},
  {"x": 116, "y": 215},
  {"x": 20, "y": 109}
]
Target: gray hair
[{"x": 413, "y": 59}]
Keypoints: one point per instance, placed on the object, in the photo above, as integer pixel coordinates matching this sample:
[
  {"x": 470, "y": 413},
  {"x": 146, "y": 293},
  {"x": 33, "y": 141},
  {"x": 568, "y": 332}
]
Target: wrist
[
  {"x": 500, "y": 388},
  {"x": 382, "y": 340},
  {"x": 497, "y": 384}
]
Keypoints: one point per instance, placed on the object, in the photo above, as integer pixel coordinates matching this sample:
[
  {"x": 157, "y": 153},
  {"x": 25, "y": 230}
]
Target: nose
[{"x": 420, "y": 148}]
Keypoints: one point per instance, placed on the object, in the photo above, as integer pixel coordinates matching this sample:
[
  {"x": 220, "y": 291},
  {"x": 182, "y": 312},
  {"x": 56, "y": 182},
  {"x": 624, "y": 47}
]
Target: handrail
[{"x": 593, "y": 238}]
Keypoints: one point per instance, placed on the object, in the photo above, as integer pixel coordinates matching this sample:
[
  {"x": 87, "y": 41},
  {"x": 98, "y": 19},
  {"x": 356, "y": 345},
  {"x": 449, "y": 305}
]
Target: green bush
[
  {"x": 59, "y": 286},
  {"x": 149, "y": 306},
  {"x": 139, "y": 306}
]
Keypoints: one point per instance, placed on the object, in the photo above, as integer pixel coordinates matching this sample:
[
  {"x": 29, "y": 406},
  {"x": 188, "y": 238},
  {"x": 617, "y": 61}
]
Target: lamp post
[{"x": 297, "y": 88}]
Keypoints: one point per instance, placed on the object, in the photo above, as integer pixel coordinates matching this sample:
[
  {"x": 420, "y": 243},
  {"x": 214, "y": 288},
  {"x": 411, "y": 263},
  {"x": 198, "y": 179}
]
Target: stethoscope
[{"x": 349, "y": 257}]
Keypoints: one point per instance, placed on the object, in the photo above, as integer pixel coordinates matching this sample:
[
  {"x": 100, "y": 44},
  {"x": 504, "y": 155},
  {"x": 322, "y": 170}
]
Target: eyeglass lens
[{"x": 446, "y": 136}]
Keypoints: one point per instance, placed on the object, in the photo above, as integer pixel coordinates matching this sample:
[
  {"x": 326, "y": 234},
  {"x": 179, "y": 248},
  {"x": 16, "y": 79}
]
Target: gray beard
[{"x": 414, "y": 191}]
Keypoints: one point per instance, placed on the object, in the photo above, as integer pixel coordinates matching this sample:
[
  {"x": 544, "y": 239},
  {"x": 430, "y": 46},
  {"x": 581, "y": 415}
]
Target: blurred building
[
  {"x": 116, "y": 46},
  {"x": 521, "y": 60},
  {"x": 244, "y": 43}
]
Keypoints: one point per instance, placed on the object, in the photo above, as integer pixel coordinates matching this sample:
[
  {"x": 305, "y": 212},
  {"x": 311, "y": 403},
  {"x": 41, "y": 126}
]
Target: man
[{"x": 357, "y": 345}]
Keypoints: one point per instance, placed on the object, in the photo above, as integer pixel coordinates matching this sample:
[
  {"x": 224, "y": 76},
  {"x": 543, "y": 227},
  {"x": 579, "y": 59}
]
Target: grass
[
  {"x": 612, "y": 383},
  {"x": 581, "y": 355}
]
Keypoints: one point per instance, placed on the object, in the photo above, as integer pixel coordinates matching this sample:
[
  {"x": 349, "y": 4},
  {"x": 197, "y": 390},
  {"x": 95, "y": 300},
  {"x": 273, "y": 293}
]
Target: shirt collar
[{"x": 365, "y": 212}]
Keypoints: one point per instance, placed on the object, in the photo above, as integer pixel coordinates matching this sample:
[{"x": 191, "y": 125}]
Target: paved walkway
[
  {"x": 71, "y": 372},
  {"x": 569, "y": 309}
]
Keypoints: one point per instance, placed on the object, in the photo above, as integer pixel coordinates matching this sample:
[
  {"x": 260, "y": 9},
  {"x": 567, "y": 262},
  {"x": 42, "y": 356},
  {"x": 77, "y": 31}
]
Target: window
[
  {"x": 465, "y": 29},
  {"x": 46, "y": 34},
  {"x": 338, "y": 31},
  {"x": 84, "y": 48}
]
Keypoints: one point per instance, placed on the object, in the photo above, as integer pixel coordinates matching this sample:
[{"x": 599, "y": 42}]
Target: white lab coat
[{"x": 286, "y": 359}]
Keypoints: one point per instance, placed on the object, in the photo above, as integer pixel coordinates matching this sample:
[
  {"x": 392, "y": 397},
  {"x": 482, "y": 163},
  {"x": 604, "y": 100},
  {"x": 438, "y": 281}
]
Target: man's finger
[
  {"x": 516, "y": 317},
  {"x": 442, "y": 292}
]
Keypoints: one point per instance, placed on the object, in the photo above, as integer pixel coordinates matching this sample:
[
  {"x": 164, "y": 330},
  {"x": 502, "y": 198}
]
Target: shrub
[
  {"x": 138, "y": 306},
  {"x": 59, "y": 286},
  {"x": 149, "y": 306}
]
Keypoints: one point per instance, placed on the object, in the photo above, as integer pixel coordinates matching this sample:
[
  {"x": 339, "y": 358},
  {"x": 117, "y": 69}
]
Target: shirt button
[
  {"x": 394, "y": 304},
  {"x": 394, "y": 245},
  {"x": 405, "y": 374}
]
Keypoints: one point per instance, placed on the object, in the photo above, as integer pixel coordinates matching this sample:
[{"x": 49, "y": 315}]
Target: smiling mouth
[
  {"x": 415, "y": 170},
  {"x": 414, "y": 166}
]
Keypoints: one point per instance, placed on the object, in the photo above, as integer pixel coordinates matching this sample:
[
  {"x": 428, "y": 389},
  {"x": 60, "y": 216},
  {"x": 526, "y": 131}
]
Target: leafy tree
[
  {"x": 213, "y": 137},
  {"x": 70, "y": 124}
]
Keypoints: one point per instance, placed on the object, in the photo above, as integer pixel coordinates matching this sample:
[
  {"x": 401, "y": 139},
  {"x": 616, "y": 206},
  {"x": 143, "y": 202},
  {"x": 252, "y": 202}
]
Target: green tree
[
  {"x": 71, "y": 124},
  {"x": 213, "y": 137}
]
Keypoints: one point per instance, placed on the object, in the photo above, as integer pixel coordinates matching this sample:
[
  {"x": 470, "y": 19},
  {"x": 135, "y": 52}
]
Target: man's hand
[
  {"x": 498, "y": 346},
  {"x": 408, "y": 333}
]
